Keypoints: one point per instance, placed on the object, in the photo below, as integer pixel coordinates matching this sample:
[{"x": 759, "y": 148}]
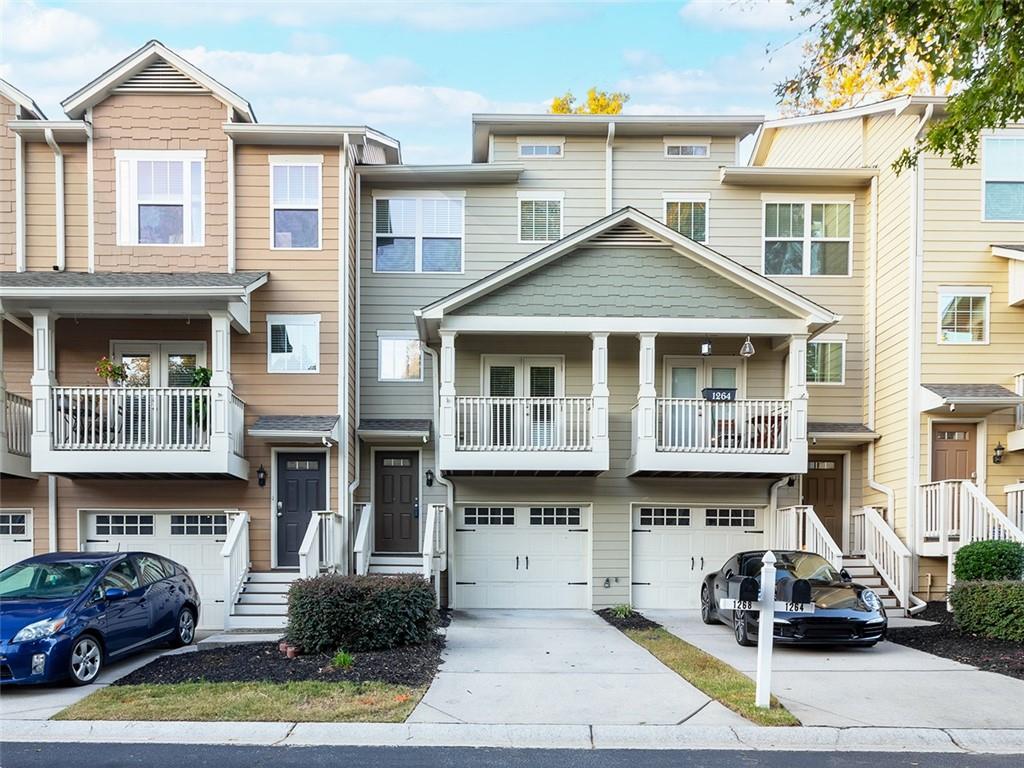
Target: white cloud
[
  {"x": 743, "y": 14},
  {"x": 29, "y": 29}
]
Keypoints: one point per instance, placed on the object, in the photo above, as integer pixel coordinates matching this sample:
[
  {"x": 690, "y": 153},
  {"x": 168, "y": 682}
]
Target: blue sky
[{"x": 418, "y": 70}]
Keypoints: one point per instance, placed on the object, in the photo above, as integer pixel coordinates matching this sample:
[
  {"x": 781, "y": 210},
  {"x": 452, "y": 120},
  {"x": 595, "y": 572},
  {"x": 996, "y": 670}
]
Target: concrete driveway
[
  {"x": 557, "y": 668},
  {"x": 888, "y": 685}
]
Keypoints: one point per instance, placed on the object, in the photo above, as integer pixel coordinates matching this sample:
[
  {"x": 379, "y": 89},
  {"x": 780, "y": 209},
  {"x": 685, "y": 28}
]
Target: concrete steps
[
  {"x": 864, "y": 573},
  {"x": 395, "y": 564},
  {"x": 263, "y": 600}
]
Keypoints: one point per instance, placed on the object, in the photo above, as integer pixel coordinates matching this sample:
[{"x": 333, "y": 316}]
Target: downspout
[
  {"x": 344, "y": 200},
  {"x": 358, "y": 328},
  {"x": 90, "y": 190},
  {"x": 231, "y": 205},
  {"x": 58, "y": 188},
  {"x": 436, "y": 382},
  {"x": 51, "y": 528},
  {"x": 19, "y": 202},
  {"x": 773, "y": 506},
  {"x": 608, "y": 152}
]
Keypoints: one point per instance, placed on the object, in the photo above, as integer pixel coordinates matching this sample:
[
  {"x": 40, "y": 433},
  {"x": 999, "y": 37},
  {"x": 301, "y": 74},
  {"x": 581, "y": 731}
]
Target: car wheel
[
  {"x": 86, "y": 660},
  {"x": 740, "y": 629},
  {"x": 185, "y": 632},
  {"x": 707, "y": 610}
]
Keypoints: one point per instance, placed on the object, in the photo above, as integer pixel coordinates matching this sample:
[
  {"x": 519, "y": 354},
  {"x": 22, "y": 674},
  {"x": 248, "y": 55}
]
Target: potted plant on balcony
[
  {"x": 201, "y": 378},
  {"x": 111, "y": 372}
]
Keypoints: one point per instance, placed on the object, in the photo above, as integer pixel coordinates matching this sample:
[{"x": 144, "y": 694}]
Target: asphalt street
[{"x": 26, "y": 755}]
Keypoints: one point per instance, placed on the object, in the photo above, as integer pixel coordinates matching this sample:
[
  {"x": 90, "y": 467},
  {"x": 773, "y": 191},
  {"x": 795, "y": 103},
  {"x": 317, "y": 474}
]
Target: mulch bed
[
  {"x": 633, "y": 621},
  {"x": 251, "y": 662},
  {"x": 945, "y": 639}
]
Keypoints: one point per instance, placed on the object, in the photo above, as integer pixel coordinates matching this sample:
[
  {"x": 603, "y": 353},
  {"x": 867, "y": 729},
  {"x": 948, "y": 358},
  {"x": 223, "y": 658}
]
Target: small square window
[
  {"x": 400, "y": 358},
  {"x": 540, "y": 219},
  {"x": 808, "y": 239},
  {"x": 688, "y": 217},
  {"x": 825, "y": 362},
  {"x": 963, "y": 317},
  {"x": 293, "y": 343}
]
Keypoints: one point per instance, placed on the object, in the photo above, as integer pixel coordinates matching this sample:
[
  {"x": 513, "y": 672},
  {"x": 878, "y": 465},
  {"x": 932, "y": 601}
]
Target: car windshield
[
  {"x": 46, "y": 581},
  {"x": 805, "y": 565}
]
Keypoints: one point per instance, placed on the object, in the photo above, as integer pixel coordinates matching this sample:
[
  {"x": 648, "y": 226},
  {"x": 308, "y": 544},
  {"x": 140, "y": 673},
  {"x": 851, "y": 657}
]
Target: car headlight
[
  {"x": 870, "y": 599},
  {"x": 38, "y": 630}
]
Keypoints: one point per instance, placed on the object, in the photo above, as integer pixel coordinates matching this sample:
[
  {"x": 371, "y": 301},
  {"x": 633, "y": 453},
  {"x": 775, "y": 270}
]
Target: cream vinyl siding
[
  {"x": 834, "y": 144},
  {"x": 40, "y": 233},
  {"x": 8, "y": 111}
]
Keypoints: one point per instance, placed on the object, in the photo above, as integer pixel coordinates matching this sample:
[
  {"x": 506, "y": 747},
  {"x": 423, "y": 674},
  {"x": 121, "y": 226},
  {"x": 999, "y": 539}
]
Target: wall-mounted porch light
[
  {"x": 430, "y": 478},
  {"x": 705, "y": 347},
  {"x": 261, "y": 476},
  {"x": 997, "y": 454},
  {"x": 747, "y": 350}
]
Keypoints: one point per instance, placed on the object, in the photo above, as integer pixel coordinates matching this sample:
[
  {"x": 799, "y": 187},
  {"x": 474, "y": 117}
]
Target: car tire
[
  {"x": 184, "y": 628},
  {"x": 739, "y": 627},
  {"x": 86, "y": 660},
  {"x": 707, "y": 610}
]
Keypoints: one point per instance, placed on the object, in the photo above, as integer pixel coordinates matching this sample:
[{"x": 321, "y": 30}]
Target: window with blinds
[
  {"x": 540, "y": 219},
  {"x": 1003, "y": 172},
  {"x": 963, "y": 316},
  {"x": 296, "y": 201},
  {"x": 418, "y": 234},
  {"x": 160, "y": 197},
  {"x": 688, "y": 217},
  {"x": 293, "y": 343}
]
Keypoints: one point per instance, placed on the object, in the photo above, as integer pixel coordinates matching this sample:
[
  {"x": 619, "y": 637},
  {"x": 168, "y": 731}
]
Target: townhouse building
[{"x": 580, "y": 370}]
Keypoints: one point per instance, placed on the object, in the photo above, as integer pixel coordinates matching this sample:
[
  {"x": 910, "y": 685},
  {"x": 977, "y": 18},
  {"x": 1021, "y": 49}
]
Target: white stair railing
[
  {"x": 800, "y": 528},
  {"x": 982, "y": 520},
  {"x": 363, "y": 546},
  {"x": 956, "y": 512},
  {"x": 939, "y": 512},
  {"x": 435, "y": 540},
  {"x": 312, "y": 550},
  {"x": 235, "y": 556},
  {"x": 888, "y": 554},
  {"x": 1015, "y": 504}
]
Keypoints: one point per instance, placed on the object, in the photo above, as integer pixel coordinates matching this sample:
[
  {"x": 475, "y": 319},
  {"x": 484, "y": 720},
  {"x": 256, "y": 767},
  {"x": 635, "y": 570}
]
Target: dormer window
[
  {"x": 687, "y": 148},
  {"x": 160, "y": 197},
  {"x": 541, "y": 146}
]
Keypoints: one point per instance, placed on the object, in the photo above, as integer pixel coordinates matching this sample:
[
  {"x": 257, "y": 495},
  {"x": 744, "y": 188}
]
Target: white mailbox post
[{"x": 766, "y": 605}]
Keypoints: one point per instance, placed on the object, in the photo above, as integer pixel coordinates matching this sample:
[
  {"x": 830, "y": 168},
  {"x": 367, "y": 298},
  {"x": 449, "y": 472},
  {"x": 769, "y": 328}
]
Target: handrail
[
  {"x": 235, "y": 555},
  {"x": 817, "y": 539},
  {"x": 19, "y": 424},
  {"x": 799, "y": 528},
  {"x": 982, "y": 520},
  {"x": 954, "y": 513},
  {"x": 737, "y": 426},
  {"x": 428, "y": 541},
  {"x": 888, "y": 554},
  {"x": 1015, "y": 503},
  {"x": 435, "y": 545},
  {"x": 1018, "y": 381},
  {"x": 310, "y": 549},
  {"x": 364, "y": 538}
]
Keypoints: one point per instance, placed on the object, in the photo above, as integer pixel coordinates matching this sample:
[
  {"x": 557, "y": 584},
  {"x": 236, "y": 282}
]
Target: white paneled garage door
[
  {"x": 522, "y": 556},
  {"x": 674, "y": 547},
  {"x": 189, "y": 537},
  {"x": 15, "y": 535}
]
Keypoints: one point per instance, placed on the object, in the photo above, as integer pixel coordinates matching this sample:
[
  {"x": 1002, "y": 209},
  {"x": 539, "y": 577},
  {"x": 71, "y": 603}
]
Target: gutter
[{"x": 58, "y": 189}]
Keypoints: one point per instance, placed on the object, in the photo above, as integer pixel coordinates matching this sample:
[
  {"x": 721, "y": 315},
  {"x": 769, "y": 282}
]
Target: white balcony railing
[
  {"x": 236, "y": 564},
  {"x": 939, "y": 509},
  {"x": 1015, "y": 504},
  {"x": 130, "y": 418},
  {"x": 19, "y": 424},
  {"x": 518, "y": 424},
  {"x": 740, "y": 426}
]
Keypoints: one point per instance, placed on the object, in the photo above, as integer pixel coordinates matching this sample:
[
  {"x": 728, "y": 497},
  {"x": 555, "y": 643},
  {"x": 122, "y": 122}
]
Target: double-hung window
[
  {"x": 964, "y": 314},
  {"x": 826, "y": 360},
  {"x": 399, "y": 356},
  {"x": 540, "y": 216},
  {"x": 160, "y": 197},
  {"x": 808, "y": 238},
  {"x": 296, "y": 201},
  {"x": 688, "y": 215},
  {"x": 1003, "y": 172},
  {"x": 293, "y": 343},
  {"x": 418, "y": 234}
]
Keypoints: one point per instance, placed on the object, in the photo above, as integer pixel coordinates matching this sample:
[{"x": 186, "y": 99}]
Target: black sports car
[{"x": 845, "y": 613}]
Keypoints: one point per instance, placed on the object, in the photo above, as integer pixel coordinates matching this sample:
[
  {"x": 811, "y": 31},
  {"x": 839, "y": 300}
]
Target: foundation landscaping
[{"x": 357, "y": 649}]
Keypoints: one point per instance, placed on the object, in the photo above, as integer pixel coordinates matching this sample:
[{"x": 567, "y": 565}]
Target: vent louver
[
  {"x": 626, "y": 235},
  {"x": 159, "y": 77}
]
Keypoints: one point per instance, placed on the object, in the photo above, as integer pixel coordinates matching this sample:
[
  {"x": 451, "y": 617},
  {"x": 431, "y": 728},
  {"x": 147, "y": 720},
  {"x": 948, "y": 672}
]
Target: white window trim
[
  {"x": 558, "y": 141},
  {"x": 126, "y": 195},
  {"x": 384, "y": 194},
  {"x": 294, "y": 319},
  {"x": 286, "y": 160},
  {"x": 406, "y": 335},
  {"x": 689, "y": 141},
  {"x": 807, "y": 239},
  {"x": 963, "y": 290},
  {"x": 689, "y": 197},
  {"x": 1005, "y": 133},
  {"x": 830, "y": 338},
  {"x": 537, "y": 195}
]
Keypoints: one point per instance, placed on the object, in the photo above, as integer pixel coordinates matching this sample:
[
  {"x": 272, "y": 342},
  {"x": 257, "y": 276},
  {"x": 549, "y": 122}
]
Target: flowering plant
[{"x": 108, "y": 370}]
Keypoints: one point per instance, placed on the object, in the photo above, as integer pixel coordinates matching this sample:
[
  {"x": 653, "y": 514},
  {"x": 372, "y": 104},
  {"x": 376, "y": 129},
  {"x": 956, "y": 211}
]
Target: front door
[
  {"x": 396, "y": 502},
  {"x": 301, "y": 489},
  {"x": 823, "y": 490},
  {"x": 954, "y": 451}
]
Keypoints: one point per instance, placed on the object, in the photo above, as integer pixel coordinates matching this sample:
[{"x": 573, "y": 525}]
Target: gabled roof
[
  {"x": 626, "y": 227},
  {"x": 168, "y": 69},
  {"x": 29, "y": 109}
]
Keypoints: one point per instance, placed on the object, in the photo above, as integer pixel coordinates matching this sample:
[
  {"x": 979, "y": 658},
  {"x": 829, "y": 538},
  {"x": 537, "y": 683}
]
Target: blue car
[{"x": 65, "y": 614}]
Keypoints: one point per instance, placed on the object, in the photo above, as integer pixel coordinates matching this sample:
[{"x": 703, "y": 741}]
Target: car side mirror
[
  {"x": 845, "y": 575},
  {"x": 729, "y": 574},
  {"x": 114, "y": 594}
]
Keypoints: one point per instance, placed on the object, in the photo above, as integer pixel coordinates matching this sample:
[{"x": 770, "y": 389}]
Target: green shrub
[
  {"x": 343, "y": 660},
  {"x": 990, "y": 561},
  {"x": 360, "y": 613},
  {"x": 989, "y": 608},
  {"x": 622, "y": 611}
]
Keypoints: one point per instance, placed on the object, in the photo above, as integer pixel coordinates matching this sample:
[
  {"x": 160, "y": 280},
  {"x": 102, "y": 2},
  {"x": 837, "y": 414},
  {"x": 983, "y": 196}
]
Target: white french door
[
  {"x": 686, "y": 413},
  {"x": 524, "y": 389}
]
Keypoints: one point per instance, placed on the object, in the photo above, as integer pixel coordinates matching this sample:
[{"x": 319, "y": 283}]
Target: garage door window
[
  {"x": 729, "y": 518},
  {"x": 199, "y": 525},
  {"x": 489, "y": 516},
  {"x": 12, "y": 525},
  {"x": 676, "y": 516},
  {"x": 124, "y": 525},
  {"x": 554, "y": 515}
]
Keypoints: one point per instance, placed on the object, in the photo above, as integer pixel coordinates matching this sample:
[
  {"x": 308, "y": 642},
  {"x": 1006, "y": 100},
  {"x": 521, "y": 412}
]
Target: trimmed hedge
[
  {"x": 990, "y": 561},
  {"x": 360, "y": 613},
  {"x": 989, "y": 608}
]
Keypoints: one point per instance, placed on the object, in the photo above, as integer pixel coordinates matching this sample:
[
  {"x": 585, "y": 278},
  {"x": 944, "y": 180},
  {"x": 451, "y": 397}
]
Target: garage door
[
  {"x": 193, "y": 539},
  {"x": 15, "y": 535},
  {"x": 674, "y": 547},
  {"x": 522, "y": 557}
]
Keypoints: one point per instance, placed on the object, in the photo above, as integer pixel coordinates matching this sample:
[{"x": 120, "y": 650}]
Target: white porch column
[
  {"x": 599, "y": 394},
  {"x": 797, "y": 377},
  {"x": 43, "y": 378},
  {"x": 645, "y": 428},
  {"x": 220, "y": 425},
  {"x": 447, "y": 390}
]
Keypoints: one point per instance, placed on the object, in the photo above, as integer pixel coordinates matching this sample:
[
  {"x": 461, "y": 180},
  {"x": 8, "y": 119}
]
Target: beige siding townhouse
[{"x": 160, "y": 226}]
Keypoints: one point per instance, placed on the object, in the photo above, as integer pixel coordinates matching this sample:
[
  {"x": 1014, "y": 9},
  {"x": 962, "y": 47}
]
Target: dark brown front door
[
  {"x": 954, "y": 451},
  {"x": 396, "y": 502},
  {"x": 301, "y": 488},
  {"x": 823, "y": 490}
]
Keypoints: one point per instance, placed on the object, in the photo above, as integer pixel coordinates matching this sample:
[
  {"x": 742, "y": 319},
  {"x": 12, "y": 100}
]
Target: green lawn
[
  {"x": 713, "y": 676},
  {"x": 302, "y": 701}
]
